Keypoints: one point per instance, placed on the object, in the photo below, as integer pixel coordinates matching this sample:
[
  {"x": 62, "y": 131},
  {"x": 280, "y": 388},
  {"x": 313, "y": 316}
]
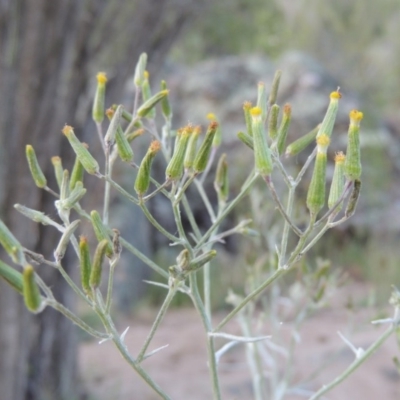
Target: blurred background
[{"x": 212, "y": 55}]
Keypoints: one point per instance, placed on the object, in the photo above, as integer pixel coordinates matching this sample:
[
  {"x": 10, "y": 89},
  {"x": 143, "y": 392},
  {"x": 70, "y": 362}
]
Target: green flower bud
[
  {"x": 316, "y": 190},
  {"x": 142, "y": 181},
  {"x": 58, "y": 169},
  {"x": 98, "y": 104},
  {"x": 77, "y": 173},
  {"x": 109, "y": 139},
  {"x": 199, "y": 261},
  {"x": 89, "y": 163},
  {"x": 139, "y": 70},
  {"x": 352, "y": 166},
  {"x": 11, "y": 244},
  {"x": 165, "y": 105},
  {"x": 221, "y": 182},
  {"x": 12, "y": 277},
  {"x": 190, "y": 154},
  {"x": 97, "y": 267},
  {"x": 352, "y": 203},
  {"x": 201, "y": 160},
  {"x": 31, "y": 292},
  {"x": 64, "y": 190},
  {"x": 274, "y": 88},
  {"x": 218, "y": 134},
  {"x": 337, "y": 185},
  {"x": 273, "y": 122},
  {"x": 36, "y": 171},
  {"x": 247, "y": 117},
  {"x": 283, "y": 128},
  {"x": 135, "y": 134},
  {"x": 85, "y": 264},
  {"x": 124, "y": 148},
  {"x": 65, "y": 238},
  {"x": 262, "y": 100},
  {"x": 148, "y": 105},
  {"x": 246, "y": 139},
  {"x": 74, "y": 196},
  {"x": 301, "y": 143},
  {"x": 174, "y": 169},
  {"x": 100, "y": 231},
  {"x": 146, "y": 93},
  {"x": 36, "y": 216},
  {"x": 329, "y": 120},
  {"x": 183, "y": 259},
  {"x": 262, "y": 153}
]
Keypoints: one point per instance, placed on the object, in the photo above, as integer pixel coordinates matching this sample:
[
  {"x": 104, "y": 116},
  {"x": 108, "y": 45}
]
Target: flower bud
[
  {"x": 190, "y": 154},
  {"x": 142, "y": 181},
  {"x": 135, "y": 134},
  {"x": 273, "y": 122},
  {"x": 301, "y": 143},
  {"x": 262, "y": 153},
  {"x": 58, "y": 169},
  {"x": 199, "y": 261},
  {"x": 274, "y": 87},
  {"x": 100, "y": 231},
  {"x": 337, "y": 185},
  {"x": 109, "y": 138},
  {"x": 124, "y": 148},
  {"x": 262, "y": 100},
  {"x": 89, "y": 163},
  {"x": 34, "y": 215},
  {"x": 31, "y": 292},
  {"x": 97, "y": 267},
  {"x": 316, "y": 190},
  {"x": 221, "y": 182},
  {"x": 11, "y": 244},
  {"x": 12, "y": 277},
  {"x": 218, "y": 134},
  {"x": 246, "y": 139},
  {"x": 65, "y": 238},
  {"x": 139, "y": 70},
  {"x": 64, "y": 190},
  {"x": 77, "y": 172},
  {"x": 352, "y": 203},
  {"x": 149, "y": 104},
  {"x": 283, "y": 128},
  {"x": 329, "y": 120},
  {"x": 74, "y": 196},
  {"x": 174, "y": 168},
  {"x": 85, "y": 264},
  {"x": 201, "y": 160},
  {"x": 146, "y": 94},
  {"x": 98, "y": 104},
  {"x": 352, "y": 166},
  {"x": 183, "y": 259},
  {"x": 36, "y": 171},
  {"x": 165, "y": 104},
  {"x": 246, "y": 108}
]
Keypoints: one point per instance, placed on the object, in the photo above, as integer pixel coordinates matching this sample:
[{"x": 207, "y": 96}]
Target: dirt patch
[{"x": 181, "y": 368}]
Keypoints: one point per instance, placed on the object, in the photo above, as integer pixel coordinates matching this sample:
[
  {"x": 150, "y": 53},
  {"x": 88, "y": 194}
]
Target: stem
[
  {"x": 227, "y": 210},
  {"x": 251, "y": 296},
  {"x": 210, "y": 340},
  {"x": 77, "y": 321},
  {"x": 119, "y": 188},
  {"x": 156, "y": 225},
  {"x": 113, "y": 264},
  {"x": 107, "y": 187},
  {"x": 285, "y": 234},
  {"x": 305, "y": 166},
  {"x": 271, "y": 187},
  {"x": 355, "y": 364},
  {"x": 100, "y": 133},
  {"x": 167, "y": 301},
  {"x": 205, "y": 199}
]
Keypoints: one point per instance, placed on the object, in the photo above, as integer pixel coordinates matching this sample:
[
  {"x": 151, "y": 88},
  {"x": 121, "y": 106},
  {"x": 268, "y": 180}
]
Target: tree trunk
[{"x": 49, "y": 54}]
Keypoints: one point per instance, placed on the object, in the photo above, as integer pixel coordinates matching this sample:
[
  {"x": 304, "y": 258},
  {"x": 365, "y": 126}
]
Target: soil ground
[{"x": 181, "y": 368}]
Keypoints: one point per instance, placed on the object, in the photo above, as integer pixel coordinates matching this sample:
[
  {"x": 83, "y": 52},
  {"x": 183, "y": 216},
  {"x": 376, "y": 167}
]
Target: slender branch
[{"x": 119, "y": 188}]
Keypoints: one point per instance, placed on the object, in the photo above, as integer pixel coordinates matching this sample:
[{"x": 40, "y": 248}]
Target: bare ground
[{"x": 181, "y": 368}]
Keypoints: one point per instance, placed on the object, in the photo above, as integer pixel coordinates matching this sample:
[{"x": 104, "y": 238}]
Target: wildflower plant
[{"x": 188, "y": 163}]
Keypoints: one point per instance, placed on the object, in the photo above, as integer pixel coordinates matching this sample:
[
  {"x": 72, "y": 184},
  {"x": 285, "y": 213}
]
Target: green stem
[
  {"x": 113, "y": 263},
  {"x": 119, "y": 188},
  {"x": 251, "y": 296},
  {"x": 227, "y": 210},
  {"x": 167, "y": 301},
  {"x": 355, "y": 364},
  {"x": 210, "y": 340},
  {"x": 77, "y": 321},
  {"x": 285, "y": 234},
  {"x": 205, "y": 199}
]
